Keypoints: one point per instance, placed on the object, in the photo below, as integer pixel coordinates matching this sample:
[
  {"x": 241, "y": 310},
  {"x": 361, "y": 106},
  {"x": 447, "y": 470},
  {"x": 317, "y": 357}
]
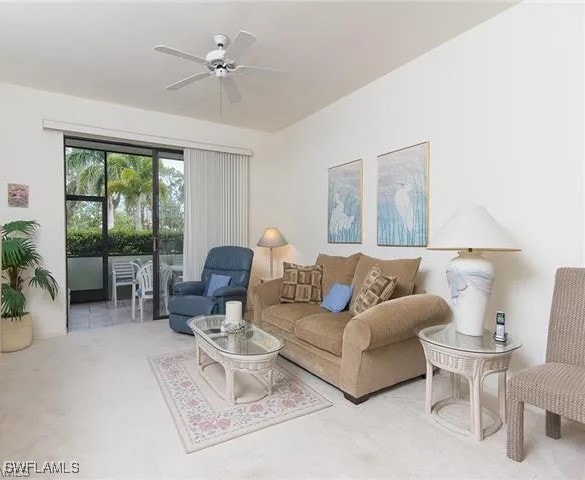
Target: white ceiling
[{"x": 105, "y": 51}]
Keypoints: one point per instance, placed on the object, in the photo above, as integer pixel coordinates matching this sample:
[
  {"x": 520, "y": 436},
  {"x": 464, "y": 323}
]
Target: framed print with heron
[
  {"x": 403, "y": 197},
  {"x": 344, "y": 203}
]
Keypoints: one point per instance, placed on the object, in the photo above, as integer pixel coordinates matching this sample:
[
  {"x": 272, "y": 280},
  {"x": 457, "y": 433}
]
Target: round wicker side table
[{"x": 473, "y": 358}]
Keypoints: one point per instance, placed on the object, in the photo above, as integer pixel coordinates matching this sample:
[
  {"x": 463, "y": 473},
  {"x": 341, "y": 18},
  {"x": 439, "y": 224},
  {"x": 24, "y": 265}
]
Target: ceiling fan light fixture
[{"x": 221, "y": 72}]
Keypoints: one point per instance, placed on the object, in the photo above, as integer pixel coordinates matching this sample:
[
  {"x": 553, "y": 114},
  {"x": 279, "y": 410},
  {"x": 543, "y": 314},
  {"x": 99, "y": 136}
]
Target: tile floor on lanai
[{"x": 85, "y": 316}]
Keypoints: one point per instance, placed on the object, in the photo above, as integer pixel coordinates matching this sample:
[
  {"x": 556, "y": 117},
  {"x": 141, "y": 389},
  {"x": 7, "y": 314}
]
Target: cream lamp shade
[
  {"x": 472, "y": 227},
  {"x": 272, "y": 238},
  {"x": 471, "y": 231}
]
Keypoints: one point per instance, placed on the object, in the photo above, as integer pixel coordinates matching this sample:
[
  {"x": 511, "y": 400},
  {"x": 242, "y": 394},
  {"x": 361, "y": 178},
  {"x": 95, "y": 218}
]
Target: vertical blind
[{"x": 216, "y": 205}]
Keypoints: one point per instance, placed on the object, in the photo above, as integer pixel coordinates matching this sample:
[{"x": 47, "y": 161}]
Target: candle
[{"x": 233, "y": 312}]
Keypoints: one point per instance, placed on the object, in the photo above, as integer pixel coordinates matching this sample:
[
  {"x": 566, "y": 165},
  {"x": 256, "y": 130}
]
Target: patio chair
[
  {"x": 123, "y": 274},
  {"x": 146, "y": 277},
  {"x": 166, "y": 274},
  {"x": 145, "y": 289},
  {"x": 558, "y": 386}
]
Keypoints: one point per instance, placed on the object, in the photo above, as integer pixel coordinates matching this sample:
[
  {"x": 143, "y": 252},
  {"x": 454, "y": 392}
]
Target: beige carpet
[
  {"x": 91, "y": 397},
  {"x": 203, "y": 419}
]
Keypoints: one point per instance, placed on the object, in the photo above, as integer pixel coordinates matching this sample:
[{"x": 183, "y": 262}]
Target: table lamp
[
  {"x": 471, "y": 231},
  {"x": 272, "y": 238}
]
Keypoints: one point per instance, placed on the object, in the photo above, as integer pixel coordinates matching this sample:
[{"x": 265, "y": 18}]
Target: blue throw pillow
[
  {"x": 337, "y": 298},
  {"x": 216, "y": 281}
]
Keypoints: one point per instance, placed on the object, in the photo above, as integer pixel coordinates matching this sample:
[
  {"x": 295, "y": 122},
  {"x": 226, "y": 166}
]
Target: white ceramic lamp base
[{"x": 470, "y": 278}]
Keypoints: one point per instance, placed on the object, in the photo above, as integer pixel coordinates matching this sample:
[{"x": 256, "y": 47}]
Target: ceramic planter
[{"x": 16, "y": 333}]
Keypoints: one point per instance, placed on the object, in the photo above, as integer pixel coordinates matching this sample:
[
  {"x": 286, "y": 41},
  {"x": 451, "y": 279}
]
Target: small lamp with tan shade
[
  {"x": 471, "y": 231},
  {"x": 272, "y": 238}
]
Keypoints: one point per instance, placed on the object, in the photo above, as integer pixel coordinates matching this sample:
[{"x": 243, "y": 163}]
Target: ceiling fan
[{"x": 221, "y": 63}]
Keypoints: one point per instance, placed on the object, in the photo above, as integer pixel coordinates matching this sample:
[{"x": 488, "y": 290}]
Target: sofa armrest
[
  {"x": 265, "y": 295},
  {"x": 395, "y": 320},
  {"x": 189, "y": 288}
]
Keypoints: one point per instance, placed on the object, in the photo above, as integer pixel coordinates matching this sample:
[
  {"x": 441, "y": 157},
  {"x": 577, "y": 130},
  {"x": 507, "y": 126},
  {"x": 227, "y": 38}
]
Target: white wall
[
  {"x": 502, "y": 106},
  {"x": 34, "y": 157}
]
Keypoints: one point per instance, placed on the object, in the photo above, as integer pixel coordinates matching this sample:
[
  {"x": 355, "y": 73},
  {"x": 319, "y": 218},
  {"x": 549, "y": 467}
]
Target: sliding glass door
[
  {"x": 86, "y": 213},
  {"x": 130, "y": 218},
  {"x": 169, "y": 222},
  {"x": 124, "y": 203}
]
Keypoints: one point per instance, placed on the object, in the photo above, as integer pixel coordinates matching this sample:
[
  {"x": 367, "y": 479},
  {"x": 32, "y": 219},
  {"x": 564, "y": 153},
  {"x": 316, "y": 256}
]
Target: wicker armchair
[{"x": 558, "y": 386}]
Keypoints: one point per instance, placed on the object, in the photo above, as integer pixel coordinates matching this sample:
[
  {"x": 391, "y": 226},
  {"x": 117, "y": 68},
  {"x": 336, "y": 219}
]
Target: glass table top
[
  {"x": 448, "y": 337},
  {"x": 251, "y": 341}
]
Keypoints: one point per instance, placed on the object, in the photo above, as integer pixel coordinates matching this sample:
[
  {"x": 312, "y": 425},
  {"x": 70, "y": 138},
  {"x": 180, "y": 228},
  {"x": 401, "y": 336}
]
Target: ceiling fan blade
[
  {"x": 232, "y": 92},
  {"x": 180, "y": 54},
  {"x": 239, "y": 45},
  {"x": 261, "y": 70},
  {"x": 188, "y": 80}
]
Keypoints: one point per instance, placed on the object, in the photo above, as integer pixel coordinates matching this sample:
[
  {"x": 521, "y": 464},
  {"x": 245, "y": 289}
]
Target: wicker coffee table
[
  {"x": 250, "y": 353},
  {"x": 472, "y": 358}
]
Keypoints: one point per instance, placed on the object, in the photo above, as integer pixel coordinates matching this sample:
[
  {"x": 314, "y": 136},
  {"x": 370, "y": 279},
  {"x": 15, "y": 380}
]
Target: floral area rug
[{"x": 203, "y": 419}]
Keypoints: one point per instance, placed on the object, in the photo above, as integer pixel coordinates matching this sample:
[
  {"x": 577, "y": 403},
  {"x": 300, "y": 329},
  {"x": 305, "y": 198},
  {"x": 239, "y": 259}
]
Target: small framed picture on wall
[{"x": 17, "y": 195}]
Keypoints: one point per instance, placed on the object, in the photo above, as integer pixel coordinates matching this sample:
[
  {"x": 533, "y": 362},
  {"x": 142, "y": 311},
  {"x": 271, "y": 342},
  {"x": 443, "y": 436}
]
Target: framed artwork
[
  {"x": 17, "y": 195},
  {"x": 403, "y": 197},
  {"x": 344, "y": 203}
]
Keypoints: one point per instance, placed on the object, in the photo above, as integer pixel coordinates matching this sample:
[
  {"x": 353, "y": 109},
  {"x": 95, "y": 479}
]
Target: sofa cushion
[
  {"x": 323, "y": 330},
  {"x": 301, "y": 284},
  {"x": 377, "y": 288},
  {"x": 337, "y": 269},
  {"x": 405, "y": 269},
  {"x": 338, "y": 297},
  {"x": 285, "y": 315}
]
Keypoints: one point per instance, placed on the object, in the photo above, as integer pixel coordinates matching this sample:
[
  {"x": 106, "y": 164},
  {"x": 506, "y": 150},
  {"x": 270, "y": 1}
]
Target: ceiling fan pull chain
[{"x": 221, "y": 98}]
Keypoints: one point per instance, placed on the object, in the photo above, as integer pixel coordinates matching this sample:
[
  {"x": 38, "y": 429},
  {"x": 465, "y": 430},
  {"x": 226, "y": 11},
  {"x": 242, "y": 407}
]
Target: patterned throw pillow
[
  {"x": 301, "y": 284},
  {"x": 376, "y": 288}
]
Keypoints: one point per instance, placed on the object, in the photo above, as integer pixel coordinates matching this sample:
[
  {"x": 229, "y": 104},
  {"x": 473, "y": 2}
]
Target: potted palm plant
[{"x": 21, "y": 268}]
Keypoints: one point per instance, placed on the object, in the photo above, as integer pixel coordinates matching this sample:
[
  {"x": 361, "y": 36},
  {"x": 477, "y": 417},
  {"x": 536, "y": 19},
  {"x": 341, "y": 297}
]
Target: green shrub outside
[
  {"x": 124, "y": 242},
  {"x": 80, "y": 241}
]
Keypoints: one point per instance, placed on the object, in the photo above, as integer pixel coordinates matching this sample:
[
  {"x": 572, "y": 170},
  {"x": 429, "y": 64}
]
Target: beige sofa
[{"x": 361, "y": 354}]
